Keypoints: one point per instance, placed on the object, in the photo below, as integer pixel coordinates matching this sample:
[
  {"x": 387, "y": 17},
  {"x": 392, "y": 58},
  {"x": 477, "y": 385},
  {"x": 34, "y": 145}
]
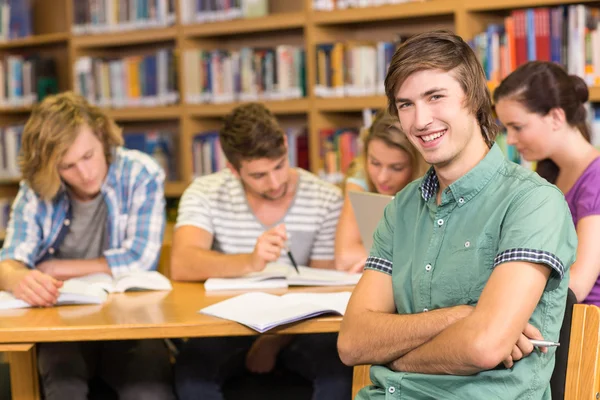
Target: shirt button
[
  {"x": 461, "y": 200},
  {"x": 467, "y": 244},
  {"x": 428, "y": 267},
  {"x": 67, "y": 222},
  {"x": 425, "y": 309},
  {"x": 392, "y": 390},
  {"x": 51, "y": 250},
  {"x": 440, "y": 222}
]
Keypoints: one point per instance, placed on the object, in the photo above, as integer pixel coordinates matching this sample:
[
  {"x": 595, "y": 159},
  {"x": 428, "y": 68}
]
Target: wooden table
[{"x": 141, "y": 315}]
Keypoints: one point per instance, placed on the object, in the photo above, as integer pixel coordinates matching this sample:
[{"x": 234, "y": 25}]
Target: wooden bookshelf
[
  {"x": 2, "y": 235},
  {"x": 125, "y": 38},
  {"x": 290, "y": 22},
  {"x": 36, "y": 40},
  {"x": 295, "y": 106},
  {"x": 274, "y": 22}
]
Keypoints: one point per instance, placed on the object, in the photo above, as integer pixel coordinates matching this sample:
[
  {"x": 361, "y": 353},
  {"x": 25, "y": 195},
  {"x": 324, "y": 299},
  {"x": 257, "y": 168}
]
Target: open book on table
[
  {"x": 263, "y": 311},
  {"x": 281, "y": 276},
  {"x": 72, "y": 292},
  {"x": 131, "y": 281},
  {"x": 94, "y": 288}
]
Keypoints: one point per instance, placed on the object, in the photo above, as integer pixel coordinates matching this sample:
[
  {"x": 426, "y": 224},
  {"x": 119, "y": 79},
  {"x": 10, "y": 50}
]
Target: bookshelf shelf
[
  {"x": 387, "y": 12},
  {"x": 125, "y": 38},
  {"x": 2, "y": 235},
  {"x": 492, "y": 5},
  {"x": 145, "y": 113},
  {"x": 175, "y": 189},
  {"x": 36, "y": 40},
  {"x": 350, "y": 104},
  {"x": 273, "y": 22},
  {"x": 15, "y": 110},
  {"x": 296, "y": 106},
  {"x": 10, "y": 181}
]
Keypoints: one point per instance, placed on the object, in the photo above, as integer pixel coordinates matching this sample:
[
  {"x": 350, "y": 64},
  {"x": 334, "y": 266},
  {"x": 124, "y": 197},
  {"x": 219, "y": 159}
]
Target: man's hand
[
  {"x": 48, "y": 268},
  {"x": 268, "y": 247},
  {"x": 523, "y": 347},
  {"x": 262, "y": 356},
  {"x": 37, "y": 288}
]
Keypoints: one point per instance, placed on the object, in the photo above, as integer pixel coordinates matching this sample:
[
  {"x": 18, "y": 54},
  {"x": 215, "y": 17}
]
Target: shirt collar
[{"x": 468, "y": 185}]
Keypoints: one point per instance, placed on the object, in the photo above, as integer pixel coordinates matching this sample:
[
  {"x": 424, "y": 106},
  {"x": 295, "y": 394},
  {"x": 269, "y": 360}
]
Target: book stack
[
  {"x": 568, "y": 35},
  {"x": 338, "y": 147},
  {"x": 330, "y": 5},
  {"x": 101, "y": 16},
  {"x": 26, "y": 80},
  {"x": 348, "y": 68},
  {"x": 15, "y": 19},
  {"x": 134, "y": 81},
  {"x": 201, "y": 11},
  {"x": 10, "y": 145},
  {"x": 225, "y": 76},
  {"x": 159, "y": 144}
]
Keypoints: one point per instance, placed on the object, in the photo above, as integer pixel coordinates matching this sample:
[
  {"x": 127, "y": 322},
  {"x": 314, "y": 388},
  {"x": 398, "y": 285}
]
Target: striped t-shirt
[{"x": 217, "y": 203}]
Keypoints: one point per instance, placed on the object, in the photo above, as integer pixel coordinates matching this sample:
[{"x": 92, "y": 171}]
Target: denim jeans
[
  {"x": 205, "y": 364},
  {"x": 135, "y": 369}
]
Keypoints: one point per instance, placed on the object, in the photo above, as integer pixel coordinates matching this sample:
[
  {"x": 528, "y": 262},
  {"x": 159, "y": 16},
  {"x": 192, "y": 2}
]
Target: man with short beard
[{"x": 234, "y": 222}]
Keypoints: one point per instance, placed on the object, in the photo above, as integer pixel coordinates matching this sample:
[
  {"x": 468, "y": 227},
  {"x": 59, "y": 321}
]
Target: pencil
[{"x": 289, "y": 253}]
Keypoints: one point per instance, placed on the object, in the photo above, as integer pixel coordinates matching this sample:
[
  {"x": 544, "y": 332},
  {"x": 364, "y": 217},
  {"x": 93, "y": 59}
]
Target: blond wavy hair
[
  {"x": 51, "y": 129},
  {"x": 386, "y": 128}
]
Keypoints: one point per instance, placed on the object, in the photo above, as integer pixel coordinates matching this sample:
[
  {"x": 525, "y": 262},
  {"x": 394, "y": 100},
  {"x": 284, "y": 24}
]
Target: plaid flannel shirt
[{"x": 134, "y": 195}]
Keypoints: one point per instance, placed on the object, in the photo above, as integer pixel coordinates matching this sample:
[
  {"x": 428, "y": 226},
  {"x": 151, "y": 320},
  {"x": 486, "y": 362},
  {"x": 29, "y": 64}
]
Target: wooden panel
[
  {"x": 144, "y": 113},
  {"x": 295, "y": 106},
  {"x": 23, "y": 375},
  {"x": 50, "y": 16},
  {"x": 360, "y": 378},
  {"x": 37, "y": 40},
  {"x": 128, "y": 38},
  {"x": 16, "y": 347},
  {"x": 508, "y": 4}
]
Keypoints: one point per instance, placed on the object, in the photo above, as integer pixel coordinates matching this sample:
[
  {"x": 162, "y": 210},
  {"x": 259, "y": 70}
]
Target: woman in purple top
[{"x": 542, "y": 108}]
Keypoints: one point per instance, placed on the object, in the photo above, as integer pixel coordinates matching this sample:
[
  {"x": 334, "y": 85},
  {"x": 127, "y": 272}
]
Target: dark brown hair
[
  {"x": 250, "y": 132},
  {"x": 51, "y": 129},
  {"x": 541, "y": 86},
  {"x": 444, "y": 51}
]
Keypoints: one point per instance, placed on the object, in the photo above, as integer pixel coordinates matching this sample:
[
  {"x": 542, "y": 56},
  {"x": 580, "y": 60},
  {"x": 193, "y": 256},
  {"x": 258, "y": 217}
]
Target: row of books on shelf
[
  {"x": 222, "y": 76},
  {"x": 569, "y": 35},
  {"x": 26, "y": 80},
  {"x": 330, "y": 5},
  {"x": 10, "y": 145},
  {"x": 132, "y": 81},
  {"x": 353, "y": 68},
  {"x": 159, "y": 144},
  {"x": 101, "y": 16},
  {"x": 198, "y": 11},
  {"x": 15, "y": 19},
  {"x": 208, "y": 157}
]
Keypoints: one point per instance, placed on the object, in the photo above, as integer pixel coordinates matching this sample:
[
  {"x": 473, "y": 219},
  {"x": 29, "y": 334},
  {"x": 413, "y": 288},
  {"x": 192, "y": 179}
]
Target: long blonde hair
[
  {"x": 386, "y": 128},
  {"x": 50, "y": 131}
]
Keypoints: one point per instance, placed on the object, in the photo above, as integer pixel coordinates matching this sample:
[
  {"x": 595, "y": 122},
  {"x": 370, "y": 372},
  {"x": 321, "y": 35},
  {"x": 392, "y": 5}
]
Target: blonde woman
[
  {"x": 389, "y": 162},
  {"x": 86, "y": 205}
]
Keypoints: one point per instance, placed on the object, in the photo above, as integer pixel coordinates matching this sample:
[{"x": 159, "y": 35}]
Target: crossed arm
[{"x": 458, "y": 340}]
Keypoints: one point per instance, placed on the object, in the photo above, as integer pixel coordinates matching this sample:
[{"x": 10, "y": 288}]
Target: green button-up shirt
[{"x": 443, "y": 255}]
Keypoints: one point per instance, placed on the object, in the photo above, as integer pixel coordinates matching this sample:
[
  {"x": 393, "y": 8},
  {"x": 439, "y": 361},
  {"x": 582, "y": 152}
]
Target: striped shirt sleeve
[
  {"x": 323, "y": 248},
  {"x": 23, "y": 233},
  {"x": 195, "y": 208},
  {"x": 143, "y": 224}
]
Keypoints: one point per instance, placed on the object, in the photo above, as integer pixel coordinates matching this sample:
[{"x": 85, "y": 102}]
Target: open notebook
[
  {"x": 131, "y": 281},
  {"x": 72, "y": 292},
  {"x": 263, "y": 311},
  {"x": 281, "y": 276},
  {"x": 94, "y": 288}
]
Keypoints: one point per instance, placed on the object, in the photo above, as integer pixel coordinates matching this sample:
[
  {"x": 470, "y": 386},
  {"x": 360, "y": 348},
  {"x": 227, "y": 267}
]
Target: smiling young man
[
  {"x": 236, "y": 221},
  {"x": 85, "y": 205},
  {"x": 469, "y": 262}
]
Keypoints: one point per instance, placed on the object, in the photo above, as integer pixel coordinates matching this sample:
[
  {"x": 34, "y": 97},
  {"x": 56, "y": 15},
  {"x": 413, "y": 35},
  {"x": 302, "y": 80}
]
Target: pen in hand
[
  {"x": 543, "y": 343},
  {"x": 291, "y": 257}
]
